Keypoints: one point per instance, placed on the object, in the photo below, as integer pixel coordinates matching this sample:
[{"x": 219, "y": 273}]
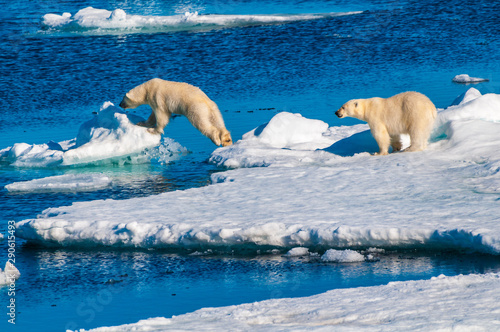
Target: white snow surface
[
  {"x": 66, "y": 182},
  {"x": 467, "y": 96},
  {"x": 445, "y": 197},
  {"x": 9, "y": 274},
  {"x": 460, "y": 303},
  {"x": 464, "y": 78},
  {"x": 292, "y": 140},
  {"x": 111, "y": 134},
  {"x": 105, "y": 21}
]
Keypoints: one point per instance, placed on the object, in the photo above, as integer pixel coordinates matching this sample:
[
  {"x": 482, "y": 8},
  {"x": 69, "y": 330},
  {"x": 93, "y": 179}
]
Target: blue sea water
[{"x": 53, "y": 79}]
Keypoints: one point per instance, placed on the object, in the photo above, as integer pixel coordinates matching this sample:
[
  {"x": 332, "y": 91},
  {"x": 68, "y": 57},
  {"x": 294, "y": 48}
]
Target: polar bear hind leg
[
  {"x": 396, "y": 143},
  {"x": 419, "y": 135},
  {"x": 418, "y": 140}
]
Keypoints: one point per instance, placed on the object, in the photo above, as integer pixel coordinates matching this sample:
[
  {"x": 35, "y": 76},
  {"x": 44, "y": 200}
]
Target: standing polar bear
[
  {"x": 167, "y": 98},
  {"x": 405, "y": 113}
]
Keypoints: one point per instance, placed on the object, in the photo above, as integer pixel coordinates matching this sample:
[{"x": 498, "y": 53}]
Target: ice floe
[
  {"x": 66, "y": 182},
  {"x": 464, "y": 78},
  {"x": 111, "y": 136},
  {"x": 102, "y": 21},
  {"x": 440, "y": 198},
  {"x": 460, "y": 303}
]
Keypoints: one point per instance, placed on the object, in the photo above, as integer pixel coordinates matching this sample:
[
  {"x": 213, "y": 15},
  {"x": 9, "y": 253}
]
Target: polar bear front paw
[{"x": 154, "y": 131}]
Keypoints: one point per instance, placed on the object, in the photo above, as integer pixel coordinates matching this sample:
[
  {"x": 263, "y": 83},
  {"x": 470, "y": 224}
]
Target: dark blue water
[{"x": 51, "y": 82}]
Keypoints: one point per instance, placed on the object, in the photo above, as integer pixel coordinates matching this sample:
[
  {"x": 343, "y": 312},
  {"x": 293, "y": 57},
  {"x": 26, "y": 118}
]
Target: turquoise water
[{"x": 52, "y": 81}]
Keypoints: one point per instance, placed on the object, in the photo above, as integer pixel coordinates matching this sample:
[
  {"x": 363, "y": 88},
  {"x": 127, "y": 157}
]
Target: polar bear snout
[
  {"x": 123, "y": 104},
  {"x": 128, "y": 103},
  {"x": 340, "y": 113}
]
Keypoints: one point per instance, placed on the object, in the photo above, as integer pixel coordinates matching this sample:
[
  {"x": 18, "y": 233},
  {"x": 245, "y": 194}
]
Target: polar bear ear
[{"x": 355, "y": 104}]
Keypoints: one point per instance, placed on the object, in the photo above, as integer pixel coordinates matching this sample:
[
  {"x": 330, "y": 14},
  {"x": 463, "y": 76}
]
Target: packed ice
[{"x": 95, "y": 20}]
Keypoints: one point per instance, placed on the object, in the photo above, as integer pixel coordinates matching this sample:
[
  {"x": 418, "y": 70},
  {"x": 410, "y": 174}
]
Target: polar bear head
[
  {"x": 134, "y": 98},
  {"x": 353, "y": 108}
]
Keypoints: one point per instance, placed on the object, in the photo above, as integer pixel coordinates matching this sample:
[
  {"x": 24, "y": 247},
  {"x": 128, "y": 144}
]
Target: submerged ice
[
  {"x": 66, "y": 182},
  {"x": 443, "y": 197}
]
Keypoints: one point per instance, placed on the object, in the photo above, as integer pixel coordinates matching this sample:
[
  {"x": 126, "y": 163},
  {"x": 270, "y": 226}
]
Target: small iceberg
[
  {"x": 297, "y": 252},
  {"x": 466, "y": 79},
  {"x": 342, "y": 256}
]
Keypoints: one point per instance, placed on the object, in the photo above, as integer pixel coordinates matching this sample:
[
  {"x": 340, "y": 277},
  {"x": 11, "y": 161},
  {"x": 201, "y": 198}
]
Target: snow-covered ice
[
  {"x": 9, "y": 274},
  {"x": 445, "y": 197},
  {"x": 66, "y": 182},
  {"x": 106, "y": 21},
  {"x": 460, "y": 303},
  {"x": 471, "y": 107},
  {"x": 110, "y": 135},
  {"x": 467, "y": 96},
  {"x": 464, "y": 78},
  {"x": 292, "y": 140}
]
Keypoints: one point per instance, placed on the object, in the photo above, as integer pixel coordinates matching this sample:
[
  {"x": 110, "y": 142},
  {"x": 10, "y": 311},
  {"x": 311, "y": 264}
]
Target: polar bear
[
  {"x": 405, "y": 113},
  {"x": 166, "y": 98}
]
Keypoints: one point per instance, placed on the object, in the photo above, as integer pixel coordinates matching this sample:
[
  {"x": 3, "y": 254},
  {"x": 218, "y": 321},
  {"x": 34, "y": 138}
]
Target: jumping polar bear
[
  {"x": 167, "y": 98},
  {"x": 405, "y": 113}
]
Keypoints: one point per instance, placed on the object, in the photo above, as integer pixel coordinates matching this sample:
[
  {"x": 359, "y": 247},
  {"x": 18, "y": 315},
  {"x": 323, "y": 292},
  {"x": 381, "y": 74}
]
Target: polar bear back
[
  {"x": 402, "y": 112},
  {"x": 177, "y": 97}
]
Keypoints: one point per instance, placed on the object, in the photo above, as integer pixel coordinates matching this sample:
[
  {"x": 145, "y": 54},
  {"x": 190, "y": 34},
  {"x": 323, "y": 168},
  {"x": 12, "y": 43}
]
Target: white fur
[
  {"x": 409, "y": 113},
  {"x": 166, "y": 98}
]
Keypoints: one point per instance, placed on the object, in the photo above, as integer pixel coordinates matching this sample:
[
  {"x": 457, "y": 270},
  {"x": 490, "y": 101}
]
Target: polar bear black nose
[
  {"x": 338, "y": 114},
  {"x": 123, "y": 104}
]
